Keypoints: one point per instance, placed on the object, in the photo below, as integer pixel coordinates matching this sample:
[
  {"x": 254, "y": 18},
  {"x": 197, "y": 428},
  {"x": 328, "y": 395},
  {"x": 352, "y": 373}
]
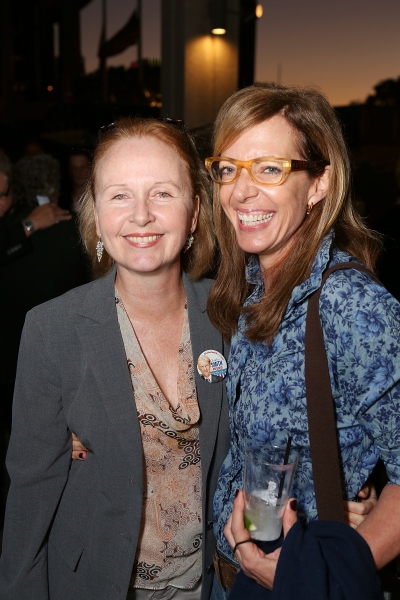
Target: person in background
[
  {"x": 41, "y": 257},
  {"x": 78, "y": 171},
  {"x": 32, "y": 146},
  {"x": 20, "y": 220}
]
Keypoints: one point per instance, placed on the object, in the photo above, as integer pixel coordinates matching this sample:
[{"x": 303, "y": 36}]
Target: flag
[{"x": 125, "y": 37}]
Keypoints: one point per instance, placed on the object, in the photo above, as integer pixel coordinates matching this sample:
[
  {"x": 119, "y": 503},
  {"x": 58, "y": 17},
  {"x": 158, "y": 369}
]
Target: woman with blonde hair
[
  {"x": 133, "y": 520},
  {"x": 283, "y": 217}
]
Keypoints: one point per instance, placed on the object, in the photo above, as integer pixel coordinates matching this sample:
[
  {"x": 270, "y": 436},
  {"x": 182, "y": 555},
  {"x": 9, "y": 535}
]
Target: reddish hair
[{"x": 198, "y": 259}]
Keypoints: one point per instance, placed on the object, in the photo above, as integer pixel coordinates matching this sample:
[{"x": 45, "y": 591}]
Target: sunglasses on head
[{"x": 177, "y": 123}]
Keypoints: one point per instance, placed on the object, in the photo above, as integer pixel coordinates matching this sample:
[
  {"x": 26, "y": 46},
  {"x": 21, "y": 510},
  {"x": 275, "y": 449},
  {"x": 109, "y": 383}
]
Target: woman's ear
[{"x": 319, "y": 187}]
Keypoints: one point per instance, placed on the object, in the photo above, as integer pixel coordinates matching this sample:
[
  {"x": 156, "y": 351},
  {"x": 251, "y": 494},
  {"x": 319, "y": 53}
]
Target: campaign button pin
[{"x": 211, "y": 366}]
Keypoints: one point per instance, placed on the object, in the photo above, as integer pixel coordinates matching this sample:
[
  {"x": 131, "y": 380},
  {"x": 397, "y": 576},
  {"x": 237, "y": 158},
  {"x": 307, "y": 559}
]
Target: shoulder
[
  {"x": 351, "y": 300},
  {"x": 198, "y": 291},
  {"x": 203, "y": 284},
  {"x": 357, "y": 288},
  {"x": 66, "y": 306}
]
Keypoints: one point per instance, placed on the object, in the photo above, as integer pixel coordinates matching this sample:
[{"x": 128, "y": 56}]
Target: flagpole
[{"x": 140, "y": 61}]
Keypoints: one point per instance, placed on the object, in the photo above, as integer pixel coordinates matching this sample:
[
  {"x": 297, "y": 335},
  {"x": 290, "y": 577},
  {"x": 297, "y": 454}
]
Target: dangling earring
[
  {"x": 189, "y": 242},
  {"x": 309, "y": 208},
  {"x": 99, "y": 249}
]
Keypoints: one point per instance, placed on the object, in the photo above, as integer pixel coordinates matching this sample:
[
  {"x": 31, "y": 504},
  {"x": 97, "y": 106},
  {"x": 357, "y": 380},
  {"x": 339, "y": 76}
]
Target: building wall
[{"x": 199, "y": 70}]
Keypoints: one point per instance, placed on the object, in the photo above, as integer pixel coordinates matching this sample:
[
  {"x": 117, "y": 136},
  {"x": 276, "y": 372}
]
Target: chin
[{"x": 251, "y": 247}]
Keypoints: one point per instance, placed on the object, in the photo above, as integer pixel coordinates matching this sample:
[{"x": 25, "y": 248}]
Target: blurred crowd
[{"x": 41, "y": 254}]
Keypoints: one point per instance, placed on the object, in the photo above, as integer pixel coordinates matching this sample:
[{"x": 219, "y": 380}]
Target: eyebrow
[
  {"x": 115, "y": 185},
  {"x": 155, "y": 183}
]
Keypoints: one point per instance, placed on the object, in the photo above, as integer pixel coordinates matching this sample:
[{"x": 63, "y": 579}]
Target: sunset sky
[{"x": 343, "y": 46}]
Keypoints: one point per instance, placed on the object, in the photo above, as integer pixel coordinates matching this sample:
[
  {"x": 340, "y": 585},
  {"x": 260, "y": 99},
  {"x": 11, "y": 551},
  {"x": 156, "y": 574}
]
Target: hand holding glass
[{"x": 267, "y": 483}]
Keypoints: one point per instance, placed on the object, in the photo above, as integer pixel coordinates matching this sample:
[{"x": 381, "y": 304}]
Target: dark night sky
[{"x": 343, "y": 46}]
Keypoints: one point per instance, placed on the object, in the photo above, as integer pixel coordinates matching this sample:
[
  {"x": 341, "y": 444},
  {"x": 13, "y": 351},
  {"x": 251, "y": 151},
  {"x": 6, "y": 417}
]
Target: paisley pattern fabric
[
  {"x": 266, "y": 386},
  {"x": 170, "y": 544}
]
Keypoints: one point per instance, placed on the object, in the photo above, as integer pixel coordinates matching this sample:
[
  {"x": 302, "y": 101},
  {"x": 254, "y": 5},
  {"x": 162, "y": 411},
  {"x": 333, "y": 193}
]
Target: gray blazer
[{"x": 72, "y": 529}]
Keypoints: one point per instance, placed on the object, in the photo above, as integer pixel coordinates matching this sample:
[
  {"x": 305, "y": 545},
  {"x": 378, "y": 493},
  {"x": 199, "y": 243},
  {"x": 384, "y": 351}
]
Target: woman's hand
[
  {"x": 47, "y": 215},
  {"x": 255, "y": 563},
  {"x": 79, "y": 452},
  {"x": 355, "y": 512}
]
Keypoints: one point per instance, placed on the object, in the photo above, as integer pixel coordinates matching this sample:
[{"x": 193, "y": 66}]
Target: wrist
[{"x": 28, "y": 226}]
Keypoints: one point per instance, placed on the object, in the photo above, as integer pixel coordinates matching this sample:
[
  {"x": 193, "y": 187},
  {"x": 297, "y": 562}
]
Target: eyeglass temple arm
[{"x": 304, "y": 165}]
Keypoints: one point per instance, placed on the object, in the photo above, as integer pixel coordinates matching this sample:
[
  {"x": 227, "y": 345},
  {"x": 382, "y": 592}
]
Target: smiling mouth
[
  {"x": 253, "y": 219},
  {"x": 147, "y": 239}
]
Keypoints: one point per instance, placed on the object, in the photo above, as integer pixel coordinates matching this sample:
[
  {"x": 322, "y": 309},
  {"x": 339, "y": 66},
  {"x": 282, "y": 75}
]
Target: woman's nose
[
  {"x": 244, "y": 187},
  {"x": 141, "y": 212}
]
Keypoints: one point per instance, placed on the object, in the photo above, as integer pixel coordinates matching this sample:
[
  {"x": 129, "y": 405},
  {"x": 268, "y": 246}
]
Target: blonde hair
[
  {"x": 198, "y": 259},
  {"x": 319, "y": 137}
]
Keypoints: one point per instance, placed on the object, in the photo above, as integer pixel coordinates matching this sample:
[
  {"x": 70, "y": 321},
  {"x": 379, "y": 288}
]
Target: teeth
[
  {"x": 143, "y": 240},
  {"x": 251, "y": 218}
]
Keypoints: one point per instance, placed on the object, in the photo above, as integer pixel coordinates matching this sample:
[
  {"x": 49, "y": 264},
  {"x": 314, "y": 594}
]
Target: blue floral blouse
[{"x": 361, "y": 326}]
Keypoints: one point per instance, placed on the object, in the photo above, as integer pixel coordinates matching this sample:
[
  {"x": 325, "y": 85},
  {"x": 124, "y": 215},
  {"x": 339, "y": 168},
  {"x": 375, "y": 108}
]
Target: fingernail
[
  {"x": 293, "y": 504},
  {"x": 80, "y": 455}
]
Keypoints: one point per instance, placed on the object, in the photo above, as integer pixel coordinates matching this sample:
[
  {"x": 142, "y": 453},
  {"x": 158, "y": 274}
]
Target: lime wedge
[{"x": 248, "y": 524}]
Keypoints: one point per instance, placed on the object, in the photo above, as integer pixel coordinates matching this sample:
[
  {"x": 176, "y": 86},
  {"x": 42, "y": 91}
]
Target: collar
[
  {"x": 253, "y": 270},
  {"x": 99, "y": 302},
  {"x": 323, "y": 257}
]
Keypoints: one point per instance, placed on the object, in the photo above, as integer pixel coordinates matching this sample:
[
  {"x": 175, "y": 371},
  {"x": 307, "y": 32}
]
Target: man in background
[
  {"x": 42, "y": 257},
  {"x": 78, "y": 170}
]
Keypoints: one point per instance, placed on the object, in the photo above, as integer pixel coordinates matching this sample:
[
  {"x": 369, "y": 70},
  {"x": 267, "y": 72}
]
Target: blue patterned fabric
[{"x": 361, "y": 326}]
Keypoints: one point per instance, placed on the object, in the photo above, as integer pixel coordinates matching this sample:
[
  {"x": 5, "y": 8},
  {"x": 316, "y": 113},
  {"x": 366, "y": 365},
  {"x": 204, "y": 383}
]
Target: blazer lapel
[
  {"x": 100, "y": 335},
  {"x": 204, "y": 337}
]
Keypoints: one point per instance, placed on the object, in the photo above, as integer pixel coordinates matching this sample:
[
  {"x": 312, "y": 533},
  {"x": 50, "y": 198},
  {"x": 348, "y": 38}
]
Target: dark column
[
  {"x": 23, "y": 47},
  {"x": 32, "y": 48},
  {"x": 173, "y": 57},
  {"x": 6, "y": 54},
  {"x": 43, "y": 49},
  {"x": 247, "y": 42},
  {"x": 70, "y": 59}
]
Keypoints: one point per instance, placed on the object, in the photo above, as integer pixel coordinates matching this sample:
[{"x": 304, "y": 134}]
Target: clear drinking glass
[{"x": 267, "y": 484}]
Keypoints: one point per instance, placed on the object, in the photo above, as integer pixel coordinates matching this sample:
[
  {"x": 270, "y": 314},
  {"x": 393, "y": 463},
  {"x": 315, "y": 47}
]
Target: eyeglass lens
[{"x": 266, "y": 171}]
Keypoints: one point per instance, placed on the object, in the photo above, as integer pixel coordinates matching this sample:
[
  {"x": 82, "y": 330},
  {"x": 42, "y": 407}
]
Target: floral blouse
[
  {"x": 170, "y": 543},
  {"x": 361, "y": 326}
]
